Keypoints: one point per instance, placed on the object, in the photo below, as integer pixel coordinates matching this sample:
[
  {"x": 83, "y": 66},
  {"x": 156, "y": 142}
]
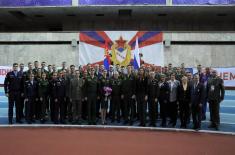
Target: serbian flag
[
  {"x": 120, "y": 47},
  {"x": 136, "y": 62},
  {"x": 106, "y": 57}
]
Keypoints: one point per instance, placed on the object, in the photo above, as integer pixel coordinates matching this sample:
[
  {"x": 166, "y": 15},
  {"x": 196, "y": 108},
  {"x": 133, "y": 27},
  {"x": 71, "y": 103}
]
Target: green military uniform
[
  {"x": 116, "y": 97},
  {"x": 215, "y": 94},
  {"x": 43, "y": 90},
  {"x": 91, "y": 91}
]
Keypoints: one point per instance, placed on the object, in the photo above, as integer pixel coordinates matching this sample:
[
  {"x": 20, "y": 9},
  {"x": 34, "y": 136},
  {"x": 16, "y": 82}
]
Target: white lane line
[
  {"x": 116, "y": 127},
  {"x": 226, "y": 123}
]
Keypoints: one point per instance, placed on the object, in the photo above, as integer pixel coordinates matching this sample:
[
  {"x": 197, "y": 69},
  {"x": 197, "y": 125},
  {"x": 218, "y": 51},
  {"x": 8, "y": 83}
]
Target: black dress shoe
[
  {"x": 211, "y": 126},
  {"x": 20, "y": 122},
  {"x": 29, "y": 122},
  {"x": 10, "y": 122}
]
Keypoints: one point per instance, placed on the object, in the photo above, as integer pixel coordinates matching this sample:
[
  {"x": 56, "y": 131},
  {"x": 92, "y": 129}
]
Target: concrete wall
[{"x": 218, "y": 49}]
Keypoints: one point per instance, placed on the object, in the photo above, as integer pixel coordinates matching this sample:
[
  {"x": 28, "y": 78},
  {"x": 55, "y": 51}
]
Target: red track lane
[{"x": 69, "y": 141}]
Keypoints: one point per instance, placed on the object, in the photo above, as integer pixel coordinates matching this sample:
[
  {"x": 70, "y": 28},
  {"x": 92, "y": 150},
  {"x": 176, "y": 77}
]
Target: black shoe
[
  {"x": 42, "y": 121},
  {"x": 163, "y": 124},
  {"x": 20, "y": 122},
  {"x": 74, "y": 122},
  {"x": 10, "y": 122},
  {"x": 195, "y": 127},
  {"x": 211, "y": 126},
  {"x": 118, "y": 121},
  {"x": 131, "y": 123},
  {"x": 29, "y": 122},
  {"x": 125, "y": 122},
  {"x": 216, "y": 128}
]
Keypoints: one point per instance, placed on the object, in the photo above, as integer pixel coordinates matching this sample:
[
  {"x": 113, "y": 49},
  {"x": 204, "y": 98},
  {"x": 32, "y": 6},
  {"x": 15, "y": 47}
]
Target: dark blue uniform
[
  {"x": 141, "y": 92},
  {"x": 57, "y": 92},
  {"x": 12, "y": 86},
  {"x": 30, "y": 92},
  {"x": 196, "y": 100}
]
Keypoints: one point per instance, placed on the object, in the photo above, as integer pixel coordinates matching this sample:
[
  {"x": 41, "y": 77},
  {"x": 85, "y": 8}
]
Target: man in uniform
[
  {"x": 21, "y": 73},
  {"x": 12, "y": 87},
  {"x": 68, "y": 78},
  {"x": 128, "y": 89},
  {"x": 215, "y": 89},
  {"x": 43, "y": 90},
  {"x": 142, "y": 96},
  {"x": 153, "y": 93},
  {"x": 30, "y": 92},
  {"x": 115, "y": 84},
  {"x": 91, "y": 91},
  {"x": 36, "y": 67}
]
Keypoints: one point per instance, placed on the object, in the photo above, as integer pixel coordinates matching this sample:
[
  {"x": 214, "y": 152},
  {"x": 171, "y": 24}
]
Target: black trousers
[
  {"x": 173, "y": 112},
  {"x": 37, "y": 108},
  {"x": 98, "y": 102},
  {"x": 84, "y": 110},
  {"x": 21, "y": 106},
  {"x": 91, "y": 107},
  {"x": 197, "y": 115},
  {"x": 69, "y": 109},
  {"x": 152, "y": 110},
  {"x": 142, "y": 106},
  {"x": 184, "y": 113},
  {"x": 62, "y": 104},
  {"x": 129, "y": 108},
  {"x": 30, "y": 109},
  {"x": 116, "y": 108},
  {"x": 214, "y": 110},
  {"x": 163, "y": 110},
  {"x": 14, "y": 99},
  {"x": 43, "y": 107}
]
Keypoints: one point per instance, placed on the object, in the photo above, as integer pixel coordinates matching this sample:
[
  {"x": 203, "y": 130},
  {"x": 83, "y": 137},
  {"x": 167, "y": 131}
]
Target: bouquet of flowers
[{"x": 107, "y": 91}]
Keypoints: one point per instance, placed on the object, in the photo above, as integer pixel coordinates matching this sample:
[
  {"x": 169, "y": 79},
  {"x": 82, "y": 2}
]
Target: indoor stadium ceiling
[{"x": 169, "y": 18}]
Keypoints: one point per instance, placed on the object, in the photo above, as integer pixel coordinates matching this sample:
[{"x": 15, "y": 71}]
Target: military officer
[
  {"x": 12, "y": 87},
  {"x": 215, "y": 90},
  {"x": 91, "y": 92},
  {"x": 30, "y": 92},
  {"x": 153, "y": 93}
]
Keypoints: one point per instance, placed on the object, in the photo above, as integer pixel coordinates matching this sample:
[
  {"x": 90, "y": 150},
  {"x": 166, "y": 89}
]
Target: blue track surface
[{"x": 227, "y": 112}]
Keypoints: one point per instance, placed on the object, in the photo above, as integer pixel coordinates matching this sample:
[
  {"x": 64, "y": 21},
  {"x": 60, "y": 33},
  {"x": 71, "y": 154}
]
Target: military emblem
[{"x": 121, "y": 52}]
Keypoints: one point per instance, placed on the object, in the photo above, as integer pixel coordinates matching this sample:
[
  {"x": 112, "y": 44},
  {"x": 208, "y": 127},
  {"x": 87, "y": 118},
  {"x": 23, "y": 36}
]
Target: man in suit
[
  {"x": 215, "y": 94},
  {"x": 197, "y": 100},
  {"x": 12, "y": 87},
  {"x": 76, "y": 85}
]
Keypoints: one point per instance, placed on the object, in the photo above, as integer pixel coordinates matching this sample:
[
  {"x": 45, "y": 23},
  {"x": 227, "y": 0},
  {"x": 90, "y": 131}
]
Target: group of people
[{"x": 122, "y": 94}]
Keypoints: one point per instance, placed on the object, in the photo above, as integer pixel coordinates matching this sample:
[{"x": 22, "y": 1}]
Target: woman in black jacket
[{"x": 184, "y": 101}]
